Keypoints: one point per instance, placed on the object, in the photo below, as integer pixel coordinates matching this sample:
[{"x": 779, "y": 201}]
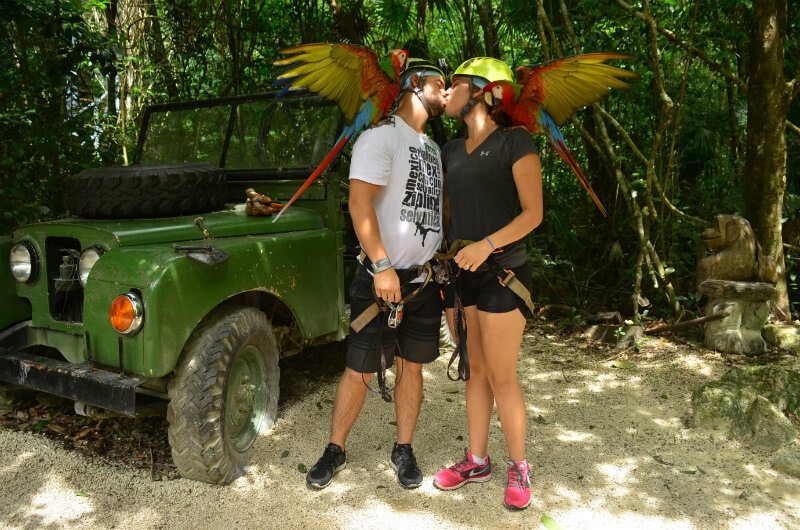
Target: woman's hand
[{"x": 472, "y": 256}]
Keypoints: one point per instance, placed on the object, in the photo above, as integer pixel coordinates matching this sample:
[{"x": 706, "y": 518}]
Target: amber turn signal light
[{"x": 127, "y": 313}]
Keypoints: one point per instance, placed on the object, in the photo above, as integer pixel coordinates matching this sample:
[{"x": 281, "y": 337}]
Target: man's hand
[
  {"x": 387, "y": 286},
  {"x": 472, "y": 256}
]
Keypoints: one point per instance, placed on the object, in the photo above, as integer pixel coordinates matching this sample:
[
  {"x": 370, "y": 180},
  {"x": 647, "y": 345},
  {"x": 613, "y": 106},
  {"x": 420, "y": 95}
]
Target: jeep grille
[{"x": 65, "y": 291}]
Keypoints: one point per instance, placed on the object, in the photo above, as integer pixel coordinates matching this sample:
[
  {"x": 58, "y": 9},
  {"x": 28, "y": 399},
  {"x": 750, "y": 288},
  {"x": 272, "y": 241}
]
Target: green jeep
[{"x": 162, "y": 288}]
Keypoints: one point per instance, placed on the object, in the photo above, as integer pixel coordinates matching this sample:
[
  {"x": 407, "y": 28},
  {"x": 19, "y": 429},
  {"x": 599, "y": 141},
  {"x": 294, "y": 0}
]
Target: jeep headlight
[
  {"x": 24, "y": 262},
  {"x": 87, "y": 261}
]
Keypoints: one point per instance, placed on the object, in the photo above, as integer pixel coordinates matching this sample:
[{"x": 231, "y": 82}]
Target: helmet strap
[
  {"x": 417, "y": 91},
  {"x": 426, "y": 105},
  {"x": 472, "y": 101}
]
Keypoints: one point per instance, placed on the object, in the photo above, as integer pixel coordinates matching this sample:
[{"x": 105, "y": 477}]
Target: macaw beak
[{"x": 489, "y": 98}]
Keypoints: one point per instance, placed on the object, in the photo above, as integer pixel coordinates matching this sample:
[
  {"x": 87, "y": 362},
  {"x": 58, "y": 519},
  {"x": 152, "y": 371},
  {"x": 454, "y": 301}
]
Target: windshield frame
[{"x": 233, "y": 102}]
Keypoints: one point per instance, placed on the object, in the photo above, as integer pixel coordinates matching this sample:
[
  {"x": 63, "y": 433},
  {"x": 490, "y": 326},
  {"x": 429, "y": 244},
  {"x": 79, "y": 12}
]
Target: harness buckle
[
  {"x": 441, "y": 274},
  {"x": 508, "y": 279},
  {"x": 395, "y": 314}
]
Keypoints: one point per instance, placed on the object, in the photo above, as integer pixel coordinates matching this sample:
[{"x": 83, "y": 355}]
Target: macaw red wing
[
  {"x": 345, "y": 73},
  {"x": 563, "y": 86}
]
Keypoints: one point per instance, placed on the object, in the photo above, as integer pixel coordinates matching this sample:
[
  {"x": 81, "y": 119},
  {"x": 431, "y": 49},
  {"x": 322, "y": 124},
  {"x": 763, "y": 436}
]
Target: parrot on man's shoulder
[{"x": 362, "y": 86}]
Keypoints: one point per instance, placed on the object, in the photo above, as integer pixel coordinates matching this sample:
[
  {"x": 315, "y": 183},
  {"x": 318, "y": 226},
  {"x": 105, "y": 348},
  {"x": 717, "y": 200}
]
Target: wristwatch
[{"x": 381, "y": 265}]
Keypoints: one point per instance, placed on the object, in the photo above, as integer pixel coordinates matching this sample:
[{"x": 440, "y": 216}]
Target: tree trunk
[
  {"x": 489, "y": 26},
  {"x": 351, "y": 24},
  {"x": 156, "y": 49},
  {"x": 111, "y": 72},
  {"x": 767, "y": 105},
  {"x": 465, "y": 10}
]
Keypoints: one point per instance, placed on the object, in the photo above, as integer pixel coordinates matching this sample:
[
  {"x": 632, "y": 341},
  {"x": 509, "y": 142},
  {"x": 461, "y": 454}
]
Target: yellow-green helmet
[{"x": 484, "y": 70}]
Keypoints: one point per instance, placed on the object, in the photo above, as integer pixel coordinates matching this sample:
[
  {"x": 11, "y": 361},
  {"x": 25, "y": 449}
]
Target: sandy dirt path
[{"x": 608, "y": 446}]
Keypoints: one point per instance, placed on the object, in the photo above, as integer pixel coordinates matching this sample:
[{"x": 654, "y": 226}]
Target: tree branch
[
  {"x": 570, "y": 28},
  {"x": 791, "y": 126},
  {"x": 546, "y": 20},
  {"x": 636, "y": 151},
  {"x": 672, "y": 37}
]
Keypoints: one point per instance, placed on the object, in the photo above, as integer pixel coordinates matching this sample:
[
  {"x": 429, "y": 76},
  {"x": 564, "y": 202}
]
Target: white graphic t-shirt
[{"x": 409, "y": 210}]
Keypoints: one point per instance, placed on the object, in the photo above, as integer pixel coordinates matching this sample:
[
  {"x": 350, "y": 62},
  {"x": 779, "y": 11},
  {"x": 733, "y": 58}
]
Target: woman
[{"x": 493, "y": 185}]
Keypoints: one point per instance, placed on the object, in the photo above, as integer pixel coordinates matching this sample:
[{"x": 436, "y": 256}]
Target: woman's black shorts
[
  {"x": 415, "y": 339},
  {"x": 483, "y": 289}
]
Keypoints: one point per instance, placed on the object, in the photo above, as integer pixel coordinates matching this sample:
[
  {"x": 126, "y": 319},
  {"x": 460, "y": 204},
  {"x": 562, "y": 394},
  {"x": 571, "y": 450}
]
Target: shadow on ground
[{"x": 609, "y": 448}]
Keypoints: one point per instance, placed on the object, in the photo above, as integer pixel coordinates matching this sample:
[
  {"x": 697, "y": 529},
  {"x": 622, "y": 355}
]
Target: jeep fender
[{"x": 302, "y": 269}]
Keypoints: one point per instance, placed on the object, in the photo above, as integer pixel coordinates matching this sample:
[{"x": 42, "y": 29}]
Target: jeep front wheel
[{"x": 224, "y": 393}]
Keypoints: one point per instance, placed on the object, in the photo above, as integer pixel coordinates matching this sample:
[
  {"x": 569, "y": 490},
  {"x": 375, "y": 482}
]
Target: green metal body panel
[
  {"x": 298, "y": 268},
  {"x": 13, "y": 309}
]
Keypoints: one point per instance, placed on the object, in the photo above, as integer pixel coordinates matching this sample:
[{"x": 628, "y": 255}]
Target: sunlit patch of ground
[{"x": 609, "y": 449}]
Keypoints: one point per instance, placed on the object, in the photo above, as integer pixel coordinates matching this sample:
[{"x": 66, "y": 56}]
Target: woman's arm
[{"x": 527, "y": 172}]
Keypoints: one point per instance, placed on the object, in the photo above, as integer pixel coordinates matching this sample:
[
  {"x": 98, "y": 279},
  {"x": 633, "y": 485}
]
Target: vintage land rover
[{"x": 162, "y": 288}]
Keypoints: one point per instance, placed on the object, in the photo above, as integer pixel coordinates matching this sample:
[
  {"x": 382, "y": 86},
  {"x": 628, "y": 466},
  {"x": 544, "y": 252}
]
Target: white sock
[{"x": 478, "y": 460}]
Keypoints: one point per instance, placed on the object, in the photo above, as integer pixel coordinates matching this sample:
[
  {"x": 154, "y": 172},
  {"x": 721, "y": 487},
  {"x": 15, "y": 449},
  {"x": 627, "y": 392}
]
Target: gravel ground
[{"x": 608, "y": 447}]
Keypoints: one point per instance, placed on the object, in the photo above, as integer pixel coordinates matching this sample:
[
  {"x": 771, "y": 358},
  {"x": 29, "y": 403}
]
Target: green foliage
[
  {"x": 50, "y": 124},
  {"x": 59, "y": 58}
]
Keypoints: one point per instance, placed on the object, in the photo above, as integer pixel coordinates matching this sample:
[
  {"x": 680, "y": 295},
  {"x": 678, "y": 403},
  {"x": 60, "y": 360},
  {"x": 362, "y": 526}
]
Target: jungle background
[{"x": 710, "y": 127}]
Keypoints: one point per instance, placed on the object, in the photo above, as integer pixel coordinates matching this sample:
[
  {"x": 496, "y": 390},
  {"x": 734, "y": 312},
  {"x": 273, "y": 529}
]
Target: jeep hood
[{"x": 228, "y": 223}]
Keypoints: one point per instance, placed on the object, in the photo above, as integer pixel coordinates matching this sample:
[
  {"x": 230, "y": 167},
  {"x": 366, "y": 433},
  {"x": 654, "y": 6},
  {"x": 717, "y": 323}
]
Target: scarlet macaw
[
  {"x": 551, "y": 92},
  {"x": 351, "y": 75}
]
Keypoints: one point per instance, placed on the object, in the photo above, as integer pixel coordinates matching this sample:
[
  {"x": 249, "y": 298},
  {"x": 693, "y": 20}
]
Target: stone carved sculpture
[
  {"x": 733, "y": 253},
  {"x": 739, "y": 281}
]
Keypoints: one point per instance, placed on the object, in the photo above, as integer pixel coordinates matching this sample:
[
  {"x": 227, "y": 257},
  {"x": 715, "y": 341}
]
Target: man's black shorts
[
  {"x": 416, "y": 339},
  {"x": 483, "y": 289}
]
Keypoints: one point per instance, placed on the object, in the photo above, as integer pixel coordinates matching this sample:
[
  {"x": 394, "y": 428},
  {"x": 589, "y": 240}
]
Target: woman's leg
[
  {"x": 480, "y": 400},
  {"x": 501, "y": 336}
]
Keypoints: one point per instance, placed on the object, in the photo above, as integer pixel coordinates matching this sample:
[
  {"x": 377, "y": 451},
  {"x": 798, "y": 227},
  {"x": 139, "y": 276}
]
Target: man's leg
[
  {"x": 347, "y": 404},
  {"x": 408, "y": 398}
]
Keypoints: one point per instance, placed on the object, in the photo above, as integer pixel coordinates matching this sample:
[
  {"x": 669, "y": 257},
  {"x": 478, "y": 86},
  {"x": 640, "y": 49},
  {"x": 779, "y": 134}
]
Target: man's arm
[{"x": 365, "y": 223}]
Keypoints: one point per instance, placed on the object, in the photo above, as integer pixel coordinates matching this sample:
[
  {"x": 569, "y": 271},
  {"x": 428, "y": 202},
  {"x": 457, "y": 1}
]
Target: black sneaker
[
  {"x": 331, "y": 462},
  {"x": 405, "y": 463}
]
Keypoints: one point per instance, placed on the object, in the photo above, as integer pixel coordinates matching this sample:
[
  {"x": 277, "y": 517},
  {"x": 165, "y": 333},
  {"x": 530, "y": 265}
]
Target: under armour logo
[{"x": 484, "y": 153}]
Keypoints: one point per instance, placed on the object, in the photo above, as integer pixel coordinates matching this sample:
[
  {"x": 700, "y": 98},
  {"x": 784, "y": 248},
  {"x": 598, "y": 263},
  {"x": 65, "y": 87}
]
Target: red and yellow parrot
[
  {"x": 352, "y": 76},
  {"x": 550, "y": 93}
]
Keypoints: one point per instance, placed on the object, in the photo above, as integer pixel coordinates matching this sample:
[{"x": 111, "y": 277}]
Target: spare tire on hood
[{"x": 146, "y": 191}]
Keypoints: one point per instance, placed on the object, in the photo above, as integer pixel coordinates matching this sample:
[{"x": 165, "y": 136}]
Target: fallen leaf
[
  {"x": 622, "y": 364},
  {"x": 662, "y": 461},
  {"x": 549, "y": 523},
  {"x": 39, "y": 425}
]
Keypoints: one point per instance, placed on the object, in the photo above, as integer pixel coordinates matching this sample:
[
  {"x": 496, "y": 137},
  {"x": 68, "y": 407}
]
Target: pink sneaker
[
  {"x": 518, "y": 491},
  {"x": 465, "y": 471}
]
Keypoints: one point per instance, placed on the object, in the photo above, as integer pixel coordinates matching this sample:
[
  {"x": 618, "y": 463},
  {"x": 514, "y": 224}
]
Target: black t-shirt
[{"x": 480, "y": 187}]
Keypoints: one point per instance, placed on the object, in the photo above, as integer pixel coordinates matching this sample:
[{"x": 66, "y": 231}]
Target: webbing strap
[
  {"x": 460, "y": 351},
  {"x": 373, "y": 310}
]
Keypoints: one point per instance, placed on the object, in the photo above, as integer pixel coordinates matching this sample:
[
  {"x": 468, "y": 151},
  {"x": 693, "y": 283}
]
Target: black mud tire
[
  {"x": 146, "y": 191},
  {"x": 203, "y": 446}
]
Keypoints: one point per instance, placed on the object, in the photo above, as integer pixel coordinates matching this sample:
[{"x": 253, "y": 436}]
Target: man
[{"x": 395, "y": 204}]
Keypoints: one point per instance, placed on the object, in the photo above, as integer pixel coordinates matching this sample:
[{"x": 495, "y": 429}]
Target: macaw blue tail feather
[{"x": 556, "y": 139}]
